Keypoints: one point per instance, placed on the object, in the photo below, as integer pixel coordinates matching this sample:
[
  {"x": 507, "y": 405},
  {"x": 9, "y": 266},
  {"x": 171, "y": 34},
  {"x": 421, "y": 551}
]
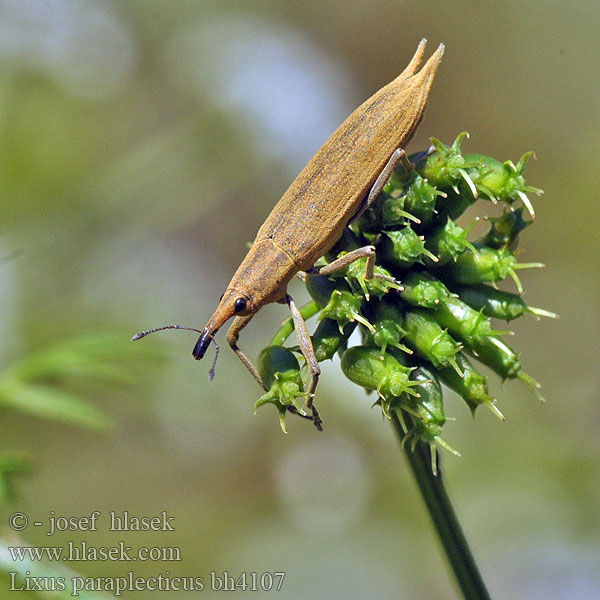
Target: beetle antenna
[
  {"x": 211, "y": 372},
  {"x": 141, "y": 334}
]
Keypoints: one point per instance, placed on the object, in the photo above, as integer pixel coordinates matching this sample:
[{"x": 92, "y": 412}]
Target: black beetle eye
[{"x": 240, "y": 305}]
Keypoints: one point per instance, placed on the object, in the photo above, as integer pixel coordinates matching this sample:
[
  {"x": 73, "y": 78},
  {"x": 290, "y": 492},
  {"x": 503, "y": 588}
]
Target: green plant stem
[
  {"x": 444, "y": 519},
  {"x": 307, "y": 311}
]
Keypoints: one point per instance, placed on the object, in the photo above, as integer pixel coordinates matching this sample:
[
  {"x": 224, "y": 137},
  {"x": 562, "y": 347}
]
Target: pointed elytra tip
[{"x": 430, "y": 66}]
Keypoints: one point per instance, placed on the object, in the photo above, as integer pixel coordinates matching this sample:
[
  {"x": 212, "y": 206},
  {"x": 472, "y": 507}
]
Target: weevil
[{"x": 336, "y": 186}]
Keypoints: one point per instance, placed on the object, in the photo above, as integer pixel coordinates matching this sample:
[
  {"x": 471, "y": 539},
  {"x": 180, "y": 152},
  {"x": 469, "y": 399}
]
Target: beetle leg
[
  {"x": 399, "y": 155},
  {"x": 232, "y": 338},
  {"x": 339, "y": 263},
  {"x": 344, "y": 261},
  {"x": 307, "y": 350}
]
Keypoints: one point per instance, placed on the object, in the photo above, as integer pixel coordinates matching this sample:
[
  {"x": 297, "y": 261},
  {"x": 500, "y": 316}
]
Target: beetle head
[{"x": 233, "y": 303}]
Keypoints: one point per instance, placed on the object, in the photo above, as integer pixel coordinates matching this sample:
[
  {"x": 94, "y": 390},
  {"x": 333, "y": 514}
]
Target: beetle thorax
[{"x": 264, "y": 274}]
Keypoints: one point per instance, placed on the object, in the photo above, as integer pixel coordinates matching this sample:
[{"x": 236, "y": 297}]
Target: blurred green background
[{"x": 143, "y": 144}]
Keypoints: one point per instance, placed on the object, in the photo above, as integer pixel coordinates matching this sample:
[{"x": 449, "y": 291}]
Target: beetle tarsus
[{"x": 316, "y": 418}]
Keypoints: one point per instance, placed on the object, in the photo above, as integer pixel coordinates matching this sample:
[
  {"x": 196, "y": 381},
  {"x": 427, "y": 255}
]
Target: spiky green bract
[
  {"x": 337, "y": 300},
  {"x": 370, "y": 368},
  {"x": 403, "y": 248},
  {"x": 386, "y": 318},
  {"x": 344, "y": 307},
  {"x": 426, "y": 411},
  {"x": 501, "y": 181},
  {"x": 448, "y": 243},
  {"x": 446, "y": 167},
  {"x": 501, "y": 358},
  {"x": 328, "y": 339},
  {"x": 406, "y": 198},
  {"x": 472, "y": 386},
  {"x": 410, "y": 198},
  {"x": 464, "y": 323},
  {"x": 280, "y": 372},
  {"x": 424, "y": 290},
  {"x": 505, "y": 230},
  {"x": 425, "y": 336},
  {"x": 497, "y": 304},
  {"x": 428, "y": 408},
  {"x": 487, "y": 264}
]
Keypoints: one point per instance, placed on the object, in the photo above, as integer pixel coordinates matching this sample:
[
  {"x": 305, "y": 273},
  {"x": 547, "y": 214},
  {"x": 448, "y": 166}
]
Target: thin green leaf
[{"x": 47, "y": 402}]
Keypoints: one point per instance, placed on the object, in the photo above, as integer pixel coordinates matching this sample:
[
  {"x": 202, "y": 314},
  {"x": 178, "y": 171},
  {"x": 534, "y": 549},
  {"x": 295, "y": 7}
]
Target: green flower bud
[
  {"x": 454, "y": 204},
  {"x": 403, "y": 248},
  {"x": 501, "y": 181},
  {"x": 338, "y": 302},
  {"x": 321, "y": 287},
  {"x": 412, "y": 226},
  {"x": 280, "y": 371},
  {"x": 425, "y": 336},
  {"x": 488, "y": 264},
  {"x": 413, "y": 201},
  {"x": 428, "y": 408},
  {"x": 328, "y": 339},
  {"x": 497, "y": 304},
  {"x": 472, "y": 386},
  {"x": 344, "y": 307},
  {"x": 446, "y": 167},
  {"x": 464, "y": 323},
  {"x": 421, "y": 289},
  {"x": 426, "y": 413},
  {"x": 448, "y": 243},
  {"x": 505, "y": 230},
  {"x": 371, "y": 369},
  {"x": 386, "y": 318},
  {"x": 501, "y": 358}
]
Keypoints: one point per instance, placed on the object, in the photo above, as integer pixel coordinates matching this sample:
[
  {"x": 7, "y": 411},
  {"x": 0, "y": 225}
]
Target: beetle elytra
[{"x": 338, "y": 184}]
